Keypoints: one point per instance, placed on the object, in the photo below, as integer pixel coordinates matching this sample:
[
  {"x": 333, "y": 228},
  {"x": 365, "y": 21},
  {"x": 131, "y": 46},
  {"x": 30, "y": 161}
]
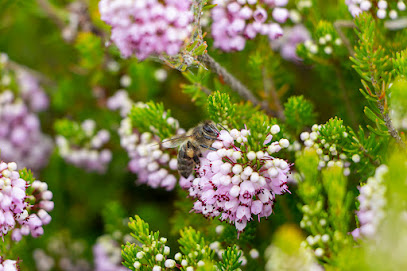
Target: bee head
[{"x": 210, "y": 129}]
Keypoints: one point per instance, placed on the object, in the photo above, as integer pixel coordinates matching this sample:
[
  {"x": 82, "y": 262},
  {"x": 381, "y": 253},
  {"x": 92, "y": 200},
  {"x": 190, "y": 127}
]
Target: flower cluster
[
  {"x": 62, "y": 253},
  {"x": 107, "y": 255},
  {"x": 147, "y": 28},
  {"x": 31, "y": 92},
  {"x": 372, "y": 202},
  {"x": 235, "y": 183},
  {"x": 152, "y": 165},
  {"x": 8, "y": 265},
  {"x": 21, "y": 138},
  {"x": 24, "y": 206},
  {"x": 40, "y": 201},
  {"x": 287, "y": 45},
  {"x": 328, "y": 154},
  {"x": 326, "y": 42},
  {"x": 120, "y": 101},
  {"x": 89, "y": 154},
  {"x": 234, "y": 21},
  {"x": 383, "y": 8}
]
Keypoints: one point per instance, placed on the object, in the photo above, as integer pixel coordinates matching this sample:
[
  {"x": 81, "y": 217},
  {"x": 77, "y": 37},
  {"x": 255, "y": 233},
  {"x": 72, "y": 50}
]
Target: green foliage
[
  {"x": 194, "y": 252},
  {"x": 197, "y": 89},
  {"x": 400, "y": 63},
  {"x": 152, "y": 117},
  {"x": 114, "y": 218},
  {"x": 307, "y": 163},
  {"x": 327, "y": 204},
  {"x": 70, "y": 129},
  {"x": 231, "y": 259},
  {"x": 299, "y": 113},
  {"x": 221, "y": 109},
  {"x": 194, "y": 248},
  {"x": 27, "y": 175},
  {"x": 90, "y": 50}
]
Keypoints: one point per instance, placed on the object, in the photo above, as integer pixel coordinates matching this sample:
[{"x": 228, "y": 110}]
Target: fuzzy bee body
[{"x": 191, "y": 145}]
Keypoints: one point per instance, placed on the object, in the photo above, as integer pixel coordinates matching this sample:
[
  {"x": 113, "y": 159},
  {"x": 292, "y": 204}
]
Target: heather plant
[{"x": 203, "y": 135}]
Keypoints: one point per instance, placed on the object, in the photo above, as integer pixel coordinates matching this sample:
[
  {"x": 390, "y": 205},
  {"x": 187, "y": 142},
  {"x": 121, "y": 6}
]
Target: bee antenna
[{"x": 222, "y": 127}]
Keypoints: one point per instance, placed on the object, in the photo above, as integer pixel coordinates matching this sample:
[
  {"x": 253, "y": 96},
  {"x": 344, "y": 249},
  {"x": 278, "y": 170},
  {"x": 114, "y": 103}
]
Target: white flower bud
[
  {"x": 308, "y": 143},
  {"x": 167, "y": 250},
  {"x": 184, "y": 262},
  {"x": 381, "y": 14},
  {"x": 156, "y": 268},
  {"x": 248, "y": 171},
  {"x": 273, "y": 172},
  {"x": 304, "y": 136},
  {"x": 137, "y": 265},
  {"x": 234, "y": 191},
  {"x": 393, "y": 14},
  {"x": 178, "y": 256},
  {"x": 313, "y": 49},
  {"x": 219, "y": 229},
  {"x": 275, "y": 129},
  {"x": 259, "y": 154},
  {"x": 284, "y": 143},
  {"x": 356, "y": 158},
  {"x": 254, "y": 253},
  {"x": 319, "y": 252},
  {"x": 169, "y": 263},
  {"x": 237, "y": 155},
  {"x": 325, "y": 238},
  {"x": 310, "y": 240},
  {"x": 236, "y": 179},
  {"x": 251, "y": 155},
  {"x": 140, "y": 255},
  {"x": 12, "y": 166},
  {"x": 328, "y": 50},
  {"x": 190, "y": 268},
  {"x": 313, "y": 136},
  {"x": 401, "y": 6},
  {"x": 244, "y": 132},
  {"x": 283, "y": 164},
  {"x": 254, "y": 177},
  {"x": 159, "y": 257},
  {"x": 234, "y": 133}
]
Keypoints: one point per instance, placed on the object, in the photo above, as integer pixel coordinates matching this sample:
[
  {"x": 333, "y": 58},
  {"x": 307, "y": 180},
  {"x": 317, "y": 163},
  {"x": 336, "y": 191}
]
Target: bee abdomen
[{"x": 185, "y": 166}]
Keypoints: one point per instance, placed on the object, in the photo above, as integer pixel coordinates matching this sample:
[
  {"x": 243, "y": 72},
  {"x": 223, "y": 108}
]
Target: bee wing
[{"x": 174, "y": 141}]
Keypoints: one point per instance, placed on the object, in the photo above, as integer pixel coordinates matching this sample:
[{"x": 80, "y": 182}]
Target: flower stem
[{"x": 232, "y": 81}]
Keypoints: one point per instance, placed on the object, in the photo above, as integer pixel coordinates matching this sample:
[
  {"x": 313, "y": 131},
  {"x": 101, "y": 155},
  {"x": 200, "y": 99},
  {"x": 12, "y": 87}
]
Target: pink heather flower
[
  {"x": 147, "y": 28},
  {"x": 287, "y": 45},
  {"x": 153, "y": 166},
  {"x": 31, "y": 92},
  {"x": 235, "y": 184},
  {"x": 16, "y": 214},
  {"x": 107, "y": 255},
  {"x": 372, "y": 203},
  {"x": 90, "y": 156},
  {"x": 235, "y": 21},
  {"x": 8, "y": 265},
  {"x": 21, "y": 138}
]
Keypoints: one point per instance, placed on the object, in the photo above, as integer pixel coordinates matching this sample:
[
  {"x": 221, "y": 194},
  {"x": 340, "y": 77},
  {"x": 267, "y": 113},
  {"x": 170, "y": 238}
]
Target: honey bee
[{"x": 191, "y": 145}]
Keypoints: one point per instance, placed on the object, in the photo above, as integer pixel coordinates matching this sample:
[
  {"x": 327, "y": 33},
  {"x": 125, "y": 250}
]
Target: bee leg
[
  {"x": 196, "y": 160},
  {"x": 209, "y": 137},
  {"x": 209, "y": 148}
]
